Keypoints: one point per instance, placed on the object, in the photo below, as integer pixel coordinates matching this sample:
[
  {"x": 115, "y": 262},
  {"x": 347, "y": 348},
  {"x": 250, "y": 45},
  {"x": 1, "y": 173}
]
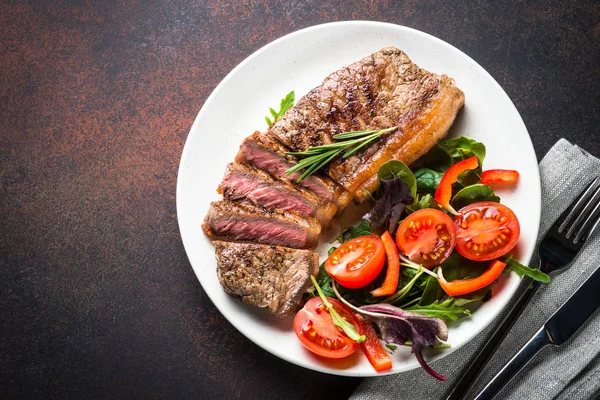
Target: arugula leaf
[
  {"x": 459, "y": 267},
  {"x": 286, "y": 103},
  {"x": 472, "y": 194},
  {"x": 402, "y": 293},
  {"x": 427, "y": 180},
  {"x": 520, "y": 269},
  {"x": 446, "y": 310},
  {"x": 397, "y": 169},
  {"x": 362, "y": 229},
  {"x": 338, "y": 321}
]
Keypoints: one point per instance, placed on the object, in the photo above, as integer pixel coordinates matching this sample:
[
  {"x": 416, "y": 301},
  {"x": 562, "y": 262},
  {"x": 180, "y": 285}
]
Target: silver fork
[{"x": 557, "y": 250}]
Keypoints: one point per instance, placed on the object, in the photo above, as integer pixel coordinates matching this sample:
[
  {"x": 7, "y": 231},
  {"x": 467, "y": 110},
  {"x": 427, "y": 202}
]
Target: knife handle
[
  {"x": 477, "y": 364},
  {"x": 527, "y": 352}
]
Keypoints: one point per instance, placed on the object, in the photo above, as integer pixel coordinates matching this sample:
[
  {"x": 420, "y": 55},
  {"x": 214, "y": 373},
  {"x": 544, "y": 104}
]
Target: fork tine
[
  {"x": 573, "y": 209},
  {"x": 583, "y": 215},
  {"x": 585, "y": 230}
]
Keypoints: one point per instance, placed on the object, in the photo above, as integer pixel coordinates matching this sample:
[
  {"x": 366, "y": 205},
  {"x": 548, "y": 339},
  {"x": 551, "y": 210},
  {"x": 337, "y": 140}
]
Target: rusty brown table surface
[{"x": 97, "y": 297}]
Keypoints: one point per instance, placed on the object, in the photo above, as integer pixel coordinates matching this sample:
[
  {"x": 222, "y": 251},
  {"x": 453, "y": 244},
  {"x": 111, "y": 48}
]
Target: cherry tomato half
[
  {"x": 315, "y": 329},
  {"x": 427, "y": 236},
  {"x": 486, "y": 230},
  {"x": 357, "y": 262}
]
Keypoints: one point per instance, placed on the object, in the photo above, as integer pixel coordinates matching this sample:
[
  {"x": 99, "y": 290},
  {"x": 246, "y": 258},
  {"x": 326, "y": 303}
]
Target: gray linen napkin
[{"x": 568, "y": 372}]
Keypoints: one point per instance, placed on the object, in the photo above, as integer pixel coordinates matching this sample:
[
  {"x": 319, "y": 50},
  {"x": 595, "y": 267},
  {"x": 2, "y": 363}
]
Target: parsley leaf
[
  {"x": 286, "y": 103},
  {"x": 338, "y": 321}
]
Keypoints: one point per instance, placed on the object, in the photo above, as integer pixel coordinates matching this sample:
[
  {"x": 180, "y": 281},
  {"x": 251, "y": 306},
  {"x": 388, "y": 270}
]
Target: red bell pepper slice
[
  {"x": 463, "y": 286},
  {"x": 390, "y": 284},
  {"x": 499, "y": 176},
  {"x": 443, "y": 193},
  {"x": 372, "y": 347}
]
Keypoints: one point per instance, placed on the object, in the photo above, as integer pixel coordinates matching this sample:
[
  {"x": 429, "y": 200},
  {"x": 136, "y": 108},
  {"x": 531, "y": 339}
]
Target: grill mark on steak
[
  {"x": 272, "y": 277},
  {"x": 243, "y": 183},
  {"x": 267, "y": 154},
  {"x": 236, "y": 221},
  {"x": 382, "y": 90}
]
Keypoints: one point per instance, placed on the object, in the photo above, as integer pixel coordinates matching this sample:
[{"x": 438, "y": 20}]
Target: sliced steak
[
  {"x": 237, "y": 221},
  {"x": 243, "y": 182},
  {"x": 382, "y": 90},
  {"x": 266, "y": 276},
  {"x": 268, "y": 154}
]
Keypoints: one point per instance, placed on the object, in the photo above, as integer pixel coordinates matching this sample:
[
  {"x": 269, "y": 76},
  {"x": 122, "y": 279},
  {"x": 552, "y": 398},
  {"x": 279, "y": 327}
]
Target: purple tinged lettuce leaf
[
  {"x": 407, "y": 325},
  {"x": 398, "y": 326},
  {"x": 388, "y": 209}
]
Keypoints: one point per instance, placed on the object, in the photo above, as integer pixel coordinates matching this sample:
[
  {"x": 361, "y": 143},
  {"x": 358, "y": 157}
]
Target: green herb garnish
[
  {"x": 445, "y": 310},
  {"x": 318, "y": 156},
  {"x": 338, "y": 321},
  {"x": 520, "y": 269},
  {"x": 286, "y": 103}
]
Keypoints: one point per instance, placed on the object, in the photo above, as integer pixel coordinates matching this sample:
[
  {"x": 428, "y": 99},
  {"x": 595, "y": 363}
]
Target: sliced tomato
[
  {"x": 464, "y": 286},
  {"x": 357, "y": 262},
  {"x": 499, "y": 176},
  {"x": 486, "y": 230},
  {"x": 373, "y": 349},
  {"x": 315, "y": 329},
  {"x": 427, "y": 236}
]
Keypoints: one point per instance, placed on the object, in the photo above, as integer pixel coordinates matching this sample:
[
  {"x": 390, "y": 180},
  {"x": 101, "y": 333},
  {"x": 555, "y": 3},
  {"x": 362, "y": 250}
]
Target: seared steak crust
[
  {"x": 267, "y": 154},
  {"x": 246, "y": 183},
  {"x": 266, "y": 276},
  {"x": 382, "y": 90},
  {"x": 237, "y": 221}
]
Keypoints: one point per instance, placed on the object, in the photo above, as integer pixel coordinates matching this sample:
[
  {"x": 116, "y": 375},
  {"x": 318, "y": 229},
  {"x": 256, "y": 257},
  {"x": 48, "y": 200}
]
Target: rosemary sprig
[{"x": 315, "y": 158}]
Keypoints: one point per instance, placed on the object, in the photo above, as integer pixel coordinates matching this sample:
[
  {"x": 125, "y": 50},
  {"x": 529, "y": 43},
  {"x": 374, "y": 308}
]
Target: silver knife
[{"x": 557, "y": 329}]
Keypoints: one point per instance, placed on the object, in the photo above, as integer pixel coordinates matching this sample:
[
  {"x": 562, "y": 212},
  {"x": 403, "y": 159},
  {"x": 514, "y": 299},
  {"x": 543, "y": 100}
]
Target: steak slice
[
  {"x": 382, "y": 90},
  {"x": 266, "y": 276},
  {"x": 237, "y": 221},
  {"x": 268, "y": 154},
  {"x": 243, "y": 182}
]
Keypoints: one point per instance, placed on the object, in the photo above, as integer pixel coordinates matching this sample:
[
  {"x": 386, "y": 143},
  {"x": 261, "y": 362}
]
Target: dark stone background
[{"x": 97, "y": 298}]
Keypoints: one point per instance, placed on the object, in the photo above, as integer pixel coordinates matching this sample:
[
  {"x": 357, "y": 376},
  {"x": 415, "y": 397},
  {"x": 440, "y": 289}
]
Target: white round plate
[{"x": 299, "y": 62}]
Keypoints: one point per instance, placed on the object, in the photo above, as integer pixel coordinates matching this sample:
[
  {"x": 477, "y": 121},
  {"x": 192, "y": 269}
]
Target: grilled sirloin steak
[
  {"x": 382, "y": 90},
  {"x": 267, "y": 154},
  {"x": 266, "y": 276},
  {"x": 243, "y": 182},
  {"x": 237, "y": 221}
]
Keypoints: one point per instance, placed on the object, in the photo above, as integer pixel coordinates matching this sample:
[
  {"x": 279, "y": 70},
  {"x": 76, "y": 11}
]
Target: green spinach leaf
[
  {"x": 397, "y": 169},
  {"x": 459, "y": 267},
  {"x": 427, "y": 180},
  {"x": 362, "y": 229},
  {"x": 446, "y": 153},
  {"x": 472, "y": 194}
]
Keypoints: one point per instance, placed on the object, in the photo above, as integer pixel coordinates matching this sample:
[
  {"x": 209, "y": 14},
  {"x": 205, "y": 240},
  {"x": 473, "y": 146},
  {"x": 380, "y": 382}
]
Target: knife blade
[{"x": 555, "y": 331}]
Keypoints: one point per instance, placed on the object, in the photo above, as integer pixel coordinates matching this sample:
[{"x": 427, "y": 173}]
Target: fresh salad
[{"x": 428, "y": 251}]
